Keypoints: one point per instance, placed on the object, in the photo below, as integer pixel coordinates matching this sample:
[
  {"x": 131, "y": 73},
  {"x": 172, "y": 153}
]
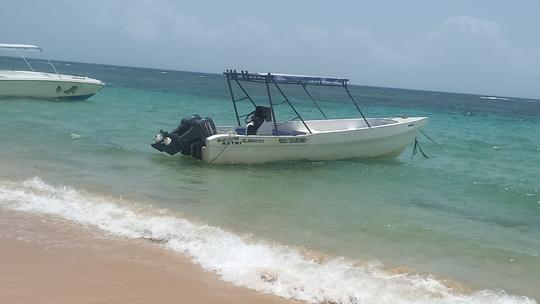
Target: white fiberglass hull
[
  {"x": 387, "y": 139},
  {"x": 22, "y": 84}
]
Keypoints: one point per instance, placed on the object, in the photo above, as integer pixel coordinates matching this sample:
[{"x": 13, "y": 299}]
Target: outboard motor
[{"x": 188, "y": 138}]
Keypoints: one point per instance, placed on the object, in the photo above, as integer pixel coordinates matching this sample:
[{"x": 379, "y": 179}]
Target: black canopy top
[{"x": 284, "y": 78}]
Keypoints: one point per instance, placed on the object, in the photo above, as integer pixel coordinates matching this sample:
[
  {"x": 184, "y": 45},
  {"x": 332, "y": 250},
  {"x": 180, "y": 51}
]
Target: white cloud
[
  {"x": 469, "y": 27},
  {"x": 460, "y": 53},
  {"x": 477, "y": 42},
  {"x": 362, "y": 41},
  {"x": 312, "y": 34},
  {"x": 469, "y": 54},
  {"x": 463, "y": 53}
]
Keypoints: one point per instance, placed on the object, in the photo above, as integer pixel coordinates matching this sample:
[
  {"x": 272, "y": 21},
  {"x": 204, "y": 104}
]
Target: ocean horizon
[{"x": 11, "y": 62}]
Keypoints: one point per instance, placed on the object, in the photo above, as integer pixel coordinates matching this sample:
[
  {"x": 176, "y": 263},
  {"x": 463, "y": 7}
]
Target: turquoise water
[{"x": 468, "y": 213}]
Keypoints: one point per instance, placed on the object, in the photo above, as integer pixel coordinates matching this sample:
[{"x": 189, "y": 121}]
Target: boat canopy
[
  {"x": 275, "y": 80},
  {"x": 285, "y": 78},
  {"x": 19, "y": 47}
]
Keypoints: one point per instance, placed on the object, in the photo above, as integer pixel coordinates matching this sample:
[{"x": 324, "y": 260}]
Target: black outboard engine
[{"x": 188, "y": 138}]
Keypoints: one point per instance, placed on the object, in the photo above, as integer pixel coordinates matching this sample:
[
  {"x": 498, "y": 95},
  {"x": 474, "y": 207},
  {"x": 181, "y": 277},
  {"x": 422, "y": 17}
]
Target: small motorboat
[
  {"x": 262, "y": 139},
  {"x": 34, "y": 84}
]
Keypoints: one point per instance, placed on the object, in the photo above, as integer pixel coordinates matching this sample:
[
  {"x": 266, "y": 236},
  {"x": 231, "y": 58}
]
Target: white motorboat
[
  {"x": 34, "y": 84},
  {"x": 263, "y": 139}
]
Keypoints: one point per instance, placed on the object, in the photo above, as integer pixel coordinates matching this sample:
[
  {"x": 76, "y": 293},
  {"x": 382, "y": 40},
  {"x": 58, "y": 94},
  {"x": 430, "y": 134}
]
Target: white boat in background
[
  {"x": 34, "y": 84},
  {"x": 263, "y": 139}
]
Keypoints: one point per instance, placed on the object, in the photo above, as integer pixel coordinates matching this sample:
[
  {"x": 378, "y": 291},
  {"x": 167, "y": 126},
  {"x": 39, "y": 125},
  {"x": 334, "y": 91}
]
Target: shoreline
[
  {"x": 99, "y": 230},
  {"x": 50, "y": 260}
]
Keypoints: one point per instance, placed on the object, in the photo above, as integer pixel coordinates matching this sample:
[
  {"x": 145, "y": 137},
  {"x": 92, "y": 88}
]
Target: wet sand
[{"x": 49, "y": 260}]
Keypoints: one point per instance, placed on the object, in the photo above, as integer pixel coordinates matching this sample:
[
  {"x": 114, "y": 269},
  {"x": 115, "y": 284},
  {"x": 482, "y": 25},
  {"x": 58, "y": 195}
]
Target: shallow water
[{"x": 469, "y": 212}]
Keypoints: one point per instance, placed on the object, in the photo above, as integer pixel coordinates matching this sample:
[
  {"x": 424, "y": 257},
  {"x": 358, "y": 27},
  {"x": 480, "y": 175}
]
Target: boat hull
[
  {"x": 382, "y": 141},
  {"x": 48, "y": 86}
]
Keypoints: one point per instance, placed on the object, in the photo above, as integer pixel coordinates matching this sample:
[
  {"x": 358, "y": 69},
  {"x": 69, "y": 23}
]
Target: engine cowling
[{"x": 188, "y": 138}]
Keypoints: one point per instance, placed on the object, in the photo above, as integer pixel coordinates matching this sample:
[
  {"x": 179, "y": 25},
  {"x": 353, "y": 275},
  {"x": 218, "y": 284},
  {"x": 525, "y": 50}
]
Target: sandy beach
[{"x": 49, "y": 260}]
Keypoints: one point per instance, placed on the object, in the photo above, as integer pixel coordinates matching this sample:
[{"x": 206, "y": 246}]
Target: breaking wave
[
  {"x": 269, "y": 268},
  {"x": 495, "y": 98}
]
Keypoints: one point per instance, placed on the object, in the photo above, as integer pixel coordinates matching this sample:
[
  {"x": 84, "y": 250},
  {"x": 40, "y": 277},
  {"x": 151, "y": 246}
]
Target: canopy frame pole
[
  {"x": 313, "y": 100},
  {"x": 233, "y": 100},
  {"x": 247, "y": 95},
  {"x": 292, "y": 107},
  {"x": 50, "y": 63},
  {"x": 27, "y": 63},
  {"x": 271, "y": 105},
  {"x": 355, "y": 104}
]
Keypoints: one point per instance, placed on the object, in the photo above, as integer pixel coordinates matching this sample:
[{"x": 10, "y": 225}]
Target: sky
[{"x": 484, "y": 47}]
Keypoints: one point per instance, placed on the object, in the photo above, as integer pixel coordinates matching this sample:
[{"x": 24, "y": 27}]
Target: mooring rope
[
  {"x": 417, "y": 144},
  {"x": 223, "y": 150},
  {"x": 430, "y": 139},
  {"x": 416, "y": 148}
]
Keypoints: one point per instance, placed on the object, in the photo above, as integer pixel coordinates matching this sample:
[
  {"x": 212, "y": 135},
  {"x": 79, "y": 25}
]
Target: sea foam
[
  {"x": 269, "y": 268},
  {"x": 495, "y": 98}
]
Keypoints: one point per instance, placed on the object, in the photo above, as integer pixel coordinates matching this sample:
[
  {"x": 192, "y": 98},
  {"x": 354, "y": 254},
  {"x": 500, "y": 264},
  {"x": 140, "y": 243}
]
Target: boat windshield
[{"x": 18, "y": 48}]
